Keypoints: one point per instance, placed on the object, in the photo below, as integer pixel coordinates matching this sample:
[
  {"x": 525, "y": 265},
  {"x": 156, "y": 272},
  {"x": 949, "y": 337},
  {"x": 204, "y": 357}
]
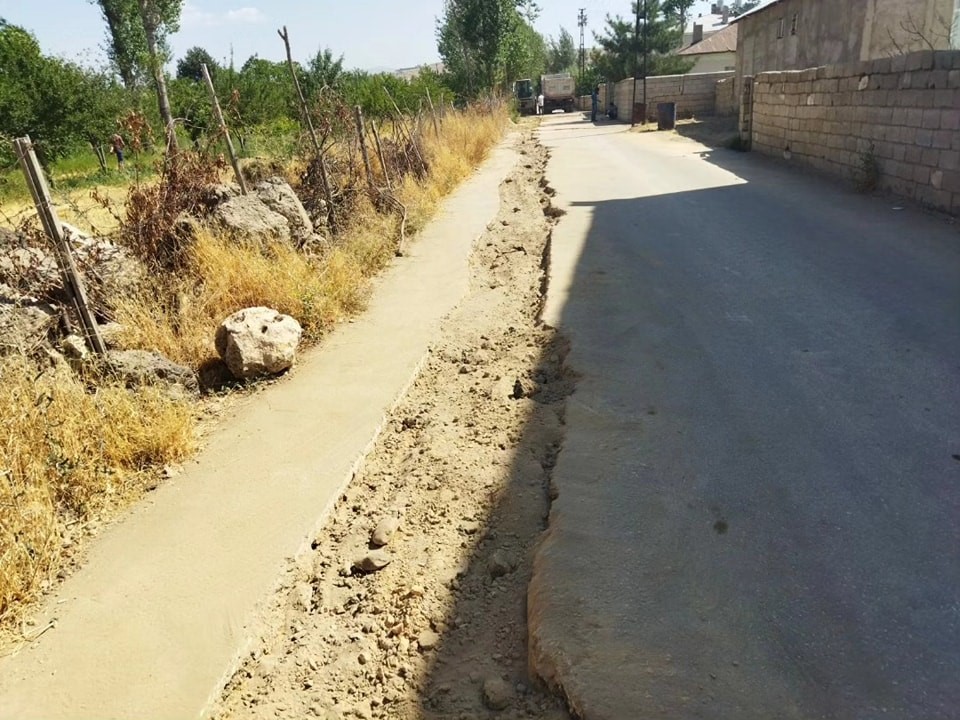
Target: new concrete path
[
  {"x": 759, "y": 492},
  {"x": 155, "y": 622}
]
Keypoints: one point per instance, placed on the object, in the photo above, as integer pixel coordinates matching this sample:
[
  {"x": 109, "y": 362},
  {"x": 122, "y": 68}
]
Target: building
[
  {"x": 716, "y": 53},
  {"x": 800, "y": 34}
]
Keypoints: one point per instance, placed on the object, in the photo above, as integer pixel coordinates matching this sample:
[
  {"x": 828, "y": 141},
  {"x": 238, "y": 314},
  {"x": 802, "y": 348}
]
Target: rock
[
  {"x": 302, "y": 596},
  {"x": 518, "y": 391},
  {"x": 247, "y": 218},
  {"x": 139, "y": 367},
  {"x": 26, "y": 326},
  {"x": 499, "y": 565},
  {"x": 385, "y": 530},
  {"x": 372, "y": 561},
  {"x": 428, "y": 640},
  {"x": 498, "y": 694},
  {"x": 470, "y": 527},
  {"x": 277, "y": 195},
  {"x": 258, "y": 341},
  {"x": 74, "y": 347},
  {"x": 111, "y": 332}
]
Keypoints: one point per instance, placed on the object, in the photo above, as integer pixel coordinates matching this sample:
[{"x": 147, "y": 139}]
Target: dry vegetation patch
[{"x": 74, "y": 450}]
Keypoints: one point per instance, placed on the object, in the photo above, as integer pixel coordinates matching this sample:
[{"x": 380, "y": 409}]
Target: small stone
[
  {"x": 470, "y": 527},
  {"x": 403, "y": 646},
  {"x": 362, "y": 658},
  {"x": 498, "y": 694},
  {"x": 385, "y": 530},
  {"x": 499, "y": 565},
  {"x": 428, "y": 640},
  {"x": 372, "y": 561},
  {"x": 302, "y": 596}
]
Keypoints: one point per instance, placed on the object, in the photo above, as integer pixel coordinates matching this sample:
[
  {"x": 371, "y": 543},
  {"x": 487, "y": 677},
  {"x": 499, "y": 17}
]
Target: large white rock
[{"x": 258, "y": 341}]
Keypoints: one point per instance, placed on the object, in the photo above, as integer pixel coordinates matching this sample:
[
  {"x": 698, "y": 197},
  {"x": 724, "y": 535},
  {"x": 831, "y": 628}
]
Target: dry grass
[
  {"x": 69, "y": 452},
  {"x": 66, "y": 453}
]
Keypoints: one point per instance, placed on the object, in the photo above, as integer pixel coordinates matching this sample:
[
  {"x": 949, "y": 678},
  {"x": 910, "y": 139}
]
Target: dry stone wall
[{"x": 899, "y": 115}]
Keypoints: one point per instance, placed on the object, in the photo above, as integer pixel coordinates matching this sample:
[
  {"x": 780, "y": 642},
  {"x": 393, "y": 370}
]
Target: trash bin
[{"x": 666, "y": 116}]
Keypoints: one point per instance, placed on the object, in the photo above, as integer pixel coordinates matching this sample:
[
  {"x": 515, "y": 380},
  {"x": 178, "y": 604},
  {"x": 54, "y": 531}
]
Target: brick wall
[
  {"x": 726, "y": 103},
  {"x": 903, "y": 110},
  {"x": 695, "y": 93}
]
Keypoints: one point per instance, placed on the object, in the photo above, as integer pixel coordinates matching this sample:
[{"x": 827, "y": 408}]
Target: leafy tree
[
  {"x": 561, "y": 53},
  {"x": 59, "y": 104},
  {"x": 191, "y": 64},
  {"x": 621, "y": 47},
  {"x": 323, "y": 70},
  {"x": 159, "y": 18},
  {"x": 265, "y": 92},
  {"x": 523, "y": 51},
  {"x": 476, "y": 38}
]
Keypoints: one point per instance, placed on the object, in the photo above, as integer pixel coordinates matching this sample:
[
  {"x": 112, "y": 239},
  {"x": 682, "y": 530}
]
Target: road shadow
[{"x": 730, "y": 346}]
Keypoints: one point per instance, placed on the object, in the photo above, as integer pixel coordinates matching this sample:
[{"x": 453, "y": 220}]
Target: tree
[
  {"x": 323, "y": 70},
  {"x": 59, "y": 104},
  {"x": 476, "y": 38},
  {"x": 190, "y": 66},
  {"x": 561, "y": 53},
  {"x": 621, "y": 47},
  {"x": 523, "y": 51},
  {"x": 677, "y": 11}
]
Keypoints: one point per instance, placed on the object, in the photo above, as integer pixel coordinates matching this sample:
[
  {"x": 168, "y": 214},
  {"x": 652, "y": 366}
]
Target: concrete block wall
[
  {"x": 904, "y": 110},
  {"x": 726, "y": 103},
  {"x": 695, "y": 93}
]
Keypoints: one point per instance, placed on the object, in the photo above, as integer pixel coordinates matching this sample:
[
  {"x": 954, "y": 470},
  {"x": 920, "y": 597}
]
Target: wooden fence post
[
  {"x": 72, "y": 282},
  {"x": 433, "y": 114},
  {"x": 305, "y": 113},
  {"x": 383, "y": 161},
  {"x": 361, "y": 133},
  {"x": 224, "y": 129}
]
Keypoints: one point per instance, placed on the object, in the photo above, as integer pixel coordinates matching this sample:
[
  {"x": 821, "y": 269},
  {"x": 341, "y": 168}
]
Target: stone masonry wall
[
  {"x": 903, "y": 111},
  {"x": 695, "y": 94},
  {"x": 726, "y": 99}
]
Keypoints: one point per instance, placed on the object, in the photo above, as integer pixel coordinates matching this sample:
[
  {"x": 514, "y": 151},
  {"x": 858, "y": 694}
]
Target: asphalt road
[{"x": 759, "y": 493}]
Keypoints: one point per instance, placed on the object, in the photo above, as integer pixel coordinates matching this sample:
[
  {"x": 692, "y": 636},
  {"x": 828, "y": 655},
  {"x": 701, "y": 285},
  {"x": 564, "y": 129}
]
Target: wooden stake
[
  {"x": 362, "y": 134},
  {"x": 72, "y": 282},
  {"x": 223, "y": 128},
  {"x": 305, "y": 113},
  {"x": 433, "y": 114},
  {"x": 383, "y": 161}
]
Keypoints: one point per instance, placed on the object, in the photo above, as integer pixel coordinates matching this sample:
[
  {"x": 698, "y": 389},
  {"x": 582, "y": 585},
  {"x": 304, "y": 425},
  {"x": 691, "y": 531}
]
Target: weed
[{"x": 866, "y": 176}]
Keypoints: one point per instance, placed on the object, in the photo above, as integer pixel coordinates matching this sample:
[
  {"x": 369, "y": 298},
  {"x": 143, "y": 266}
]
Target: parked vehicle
[
  {"x": 559, "y": 92},
  {"x": 526, "y": 95}
]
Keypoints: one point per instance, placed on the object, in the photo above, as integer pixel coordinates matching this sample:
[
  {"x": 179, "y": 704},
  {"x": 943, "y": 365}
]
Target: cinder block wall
[
  {"x": 903, "y": 111},
  {"x": 726, "y": 101},
  {"x": 695, "y": 93}
]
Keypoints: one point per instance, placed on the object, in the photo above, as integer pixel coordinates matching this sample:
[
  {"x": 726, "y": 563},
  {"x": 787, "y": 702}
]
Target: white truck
[{"x": 559, "y": 92}]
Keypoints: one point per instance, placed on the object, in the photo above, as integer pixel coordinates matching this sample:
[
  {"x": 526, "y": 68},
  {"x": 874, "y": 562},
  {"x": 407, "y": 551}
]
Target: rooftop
[{"x": 724, "y": 40}]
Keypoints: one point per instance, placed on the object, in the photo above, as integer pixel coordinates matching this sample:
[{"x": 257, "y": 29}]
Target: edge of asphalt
[{"x": 160, "y": 616}]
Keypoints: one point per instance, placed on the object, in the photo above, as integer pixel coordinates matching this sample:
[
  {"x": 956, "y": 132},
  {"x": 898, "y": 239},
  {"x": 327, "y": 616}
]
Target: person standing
[
  {"x": 540, "y": 100},
  {"x": 116, "y": 147}
]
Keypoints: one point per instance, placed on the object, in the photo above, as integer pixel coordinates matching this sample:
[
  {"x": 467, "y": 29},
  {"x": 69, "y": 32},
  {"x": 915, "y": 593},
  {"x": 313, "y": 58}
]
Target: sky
[{"x": 371, "y": 34}]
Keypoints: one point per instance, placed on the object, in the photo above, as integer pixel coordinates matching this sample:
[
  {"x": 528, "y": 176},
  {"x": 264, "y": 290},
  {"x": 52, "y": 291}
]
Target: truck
[
  {"x": 559, "y": 92},
  {"x": 526, "y": 95}
]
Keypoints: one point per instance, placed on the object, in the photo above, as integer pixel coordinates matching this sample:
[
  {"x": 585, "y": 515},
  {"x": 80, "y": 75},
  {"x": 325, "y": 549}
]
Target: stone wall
[
  {"x": 726, "y": 103},
  {"x": 695, "y": 94},
  {"x": 904, "y": 112}
]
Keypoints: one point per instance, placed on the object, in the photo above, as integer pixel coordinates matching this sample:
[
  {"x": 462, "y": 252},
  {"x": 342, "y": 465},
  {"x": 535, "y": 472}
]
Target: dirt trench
[{"x": 462, "y": 471}]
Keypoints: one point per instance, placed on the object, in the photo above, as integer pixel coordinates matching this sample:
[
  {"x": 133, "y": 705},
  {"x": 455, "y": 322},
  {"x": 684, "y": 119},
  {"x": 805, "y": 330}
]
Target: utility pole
[
  {"x": 636, "y": 67},
  {"x": 646, "y": 56},
  {"x": 582, "y": 22}
]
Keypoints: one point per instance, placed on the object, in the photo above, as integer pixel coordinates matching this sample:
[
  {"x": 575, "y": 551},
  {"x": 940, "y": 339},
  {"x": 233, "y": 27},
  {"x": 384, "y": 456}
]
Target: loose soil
[{"x": 459, "y": 482}]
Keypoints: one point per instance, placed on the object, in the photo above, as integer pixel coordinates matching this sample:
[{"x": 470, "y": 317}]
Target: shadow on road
[{"x": 757, "y": 504}]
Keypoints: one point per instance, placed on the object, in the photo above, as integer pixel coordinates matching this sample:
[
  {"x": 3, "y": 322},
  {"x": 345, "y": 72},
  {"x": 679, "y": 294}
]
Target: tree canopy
[
  {"x": 620, "y": 51},
  {"x": 561, "y": 53},
  {"x": 190, "y": 66}
]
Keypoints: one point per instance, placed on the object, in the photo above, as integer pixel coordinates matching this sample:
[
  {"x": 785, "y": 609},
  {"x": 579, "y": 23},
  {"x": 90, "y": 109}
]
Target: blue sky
[{"x": 372, "y": 34}]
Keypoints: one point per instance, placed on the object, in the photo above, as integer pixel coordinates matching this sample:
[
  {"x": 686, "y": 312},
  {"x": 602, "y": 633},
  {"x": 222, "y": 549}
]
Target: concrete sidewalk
[{"x": 157, "y": 620}]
